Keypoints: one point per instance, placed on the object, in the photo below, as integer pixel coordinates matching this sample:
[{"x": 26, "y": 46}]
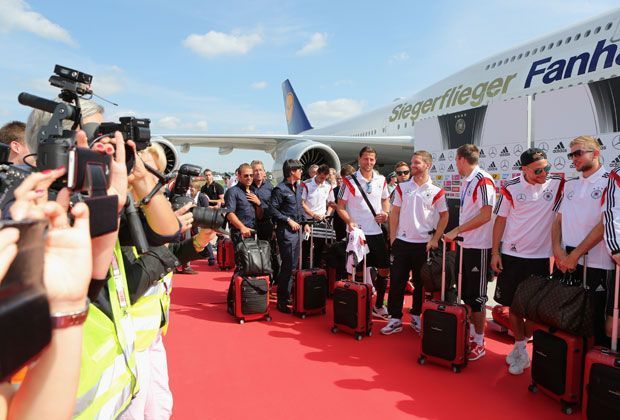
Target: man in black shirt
[
  {"x": 243, "y": 204},
  {"x": 213, "y": 190}
]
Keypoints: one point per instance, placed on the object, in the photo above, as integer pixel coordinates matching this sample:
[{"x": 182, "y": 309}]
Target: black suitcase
[{"x": 248, "y": 298}]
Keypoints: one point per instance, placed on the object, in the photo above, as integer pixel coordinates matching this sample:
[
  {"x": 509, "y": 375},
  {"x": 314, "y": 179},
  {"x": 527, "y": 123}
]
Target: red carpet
[{"x": 297, "y": 369}]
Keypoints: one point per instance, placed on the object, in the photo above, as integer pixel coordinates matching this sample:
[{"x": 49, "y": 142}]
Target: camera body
[{"x": 136, "y": 129}]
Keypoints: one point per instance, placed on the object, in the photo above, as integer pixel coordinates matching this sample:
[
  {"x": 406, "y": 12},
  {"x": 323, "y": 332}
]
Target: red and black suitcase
[
  {"x": 248, "y": 298},
  {"x": 352, "y": 308},
  {"x": 445, "y": 326},
  {"x": 558, "y": 359},
  {"x": 225, "y": 254},
  {"x": 601, "y": 391},
  {"x": 310, "y": 294}
]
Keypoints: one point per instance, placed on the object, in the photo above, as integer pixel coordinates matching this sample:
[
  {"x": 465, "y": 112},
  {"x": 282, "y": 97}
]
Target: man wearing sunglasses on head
[
  {"x": 578, "y": 227},
  {"x": 244, "y": 205},
  {"x": 524, "y": 213}
]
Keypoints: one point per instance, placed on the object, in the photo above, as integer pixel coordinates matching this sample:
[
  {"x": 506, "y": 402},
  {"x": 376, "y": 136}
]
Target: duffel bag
[
  {"x": 567, "y": 306},
  {"x": 253, "y": 257},
  {"x": 528, "y": 295},
  {"x": 430, "y": 274}
]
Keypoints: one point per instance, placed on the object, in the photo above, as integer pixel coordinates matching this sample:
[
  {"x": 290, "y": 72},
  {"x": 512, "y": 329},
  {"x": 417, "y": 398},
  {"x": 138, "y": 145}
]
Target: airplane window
[
  {"x": 527, "y": 53},
  {"x": 512, "y": 59},
  {"x": 542, "y": 48},
  {"x": 493, "y": 66},
  {"x": 557, "y": 44},
  {"x": 487, "y": 67},
  {"x": 587, "y": 34},
  {"x": 608, "y": 26},
  {"x": 597, "y": 30},
  {"x": 520, "y": 56},
  {"x": 505, "y": 61},
  {"x": 577, "y": 37},
  {"x": 550, "y": 46},
  {"x": 567, "y": 40},
  {"x": 499, "y": 63},
  {"x": 535, "y": 51}
]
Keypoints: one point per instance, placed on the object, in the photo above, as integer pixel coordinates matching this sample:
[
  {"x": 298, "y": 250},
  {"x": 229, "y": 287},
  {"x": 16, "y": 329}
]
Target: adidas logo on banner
[
  {"x": 615, "y": 163},
  {"x": 559, "y": 148},
  {"x": 504, "y": 152},
  {"x": 433, "y": 168},
  {"x": 517, "y": 166},
  {"x": 441, "y": 157},
  {"x": 492, "y": 167},
  {"x": 450, "y": 168},
  {"x": 600, "y": 143},
  {"x": 482, "y": 155}
]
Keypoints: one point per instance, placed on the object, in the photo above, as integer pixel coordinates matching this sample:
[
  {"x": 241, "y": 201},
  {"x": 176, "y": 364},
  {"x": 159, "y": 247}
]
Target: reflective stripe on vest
[
  {"x": 165, "y": 301},
  {"x": 108, "y": 377}
]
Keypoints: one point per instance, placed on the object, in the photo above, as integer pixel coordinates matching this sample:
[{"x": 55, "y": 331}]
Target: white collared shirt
[
  {"x": 420, "y": 206},
  {"x": 376, "y": 190},
  {"x": 477, "y": 191},
  {"x": 529, "y": 210},
  {"x": 316, "y": 196},
  {"x": 581, "y": 209}
]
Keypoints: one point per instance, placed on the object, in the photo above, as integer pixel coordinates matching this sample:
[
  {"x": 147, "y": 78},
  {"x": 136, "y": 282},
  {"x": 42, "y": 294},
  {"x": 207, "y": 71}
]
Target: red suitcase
[
  {"x": 353, "y": 307},
  {"x": 601, "y": 391},
  {"x": 248, "y": 298},
  {"x": 558, "y": 360},
  {"x": 445, "y": 326},
  {"x": 225, "y": 254},
  {"x": 310, "y": 294},
  {"x": 332, "y": 278}
]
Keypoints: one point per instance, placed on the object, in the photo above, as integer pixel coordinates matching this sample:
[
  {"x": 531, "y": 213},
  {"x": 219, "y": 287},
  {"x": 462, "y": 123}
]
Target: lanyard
[
  {"x": 118, "y": 283},
  {"x": 464, "y": 193}
]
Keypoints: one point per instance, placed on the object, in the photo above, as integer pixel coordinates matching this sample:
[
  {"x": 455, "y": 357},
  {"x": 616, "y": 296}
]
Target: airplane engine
[
  {"x": 308, "y": 152},
  {"x": 172, "y": 156}
]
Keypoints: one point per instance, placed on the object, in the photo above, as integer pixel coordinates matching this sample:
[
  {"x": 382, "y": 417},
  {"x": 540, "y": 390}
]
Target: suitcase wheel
[
  {"x": 241, "y": 321},
  {"x": 567, "y": 408},
  {"x": 533, "y": 388},
  {"x": 421, "y": 360},
  {"x": 358, "y": 336},
  {"x": 456, "y": 369},
  {"x": 334, "y": 330},
  {"x": 369, "y": 333},
  {"x": 268, "y": 318},
  {"x": 302, "y": 316}
]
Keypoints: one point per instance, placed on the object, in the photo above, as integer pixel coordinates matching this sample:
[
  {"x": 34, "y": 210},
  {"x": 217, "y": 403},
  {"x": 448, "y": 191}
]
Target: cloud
[
  {"x": 317, "y": 42},
  {"x": 109, "y": 81},
  {"x": 401, "y": 56},
  {"x": 214, "y": 43},
  {"x": 259, "y": 85},
  {"x": 201, "y": 125},
  {"x": 337, "y": 109},
  {"x": 169, "y": 122},
  {"x": 17, "y": 15}
]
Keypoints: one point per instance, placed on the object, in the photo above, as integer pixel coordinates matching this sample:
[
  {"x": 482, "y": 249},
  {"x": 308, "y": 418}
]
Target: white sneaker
[
  {"x": 393, "y": 326},
  {"x": 381, "y": 312},
  {"x": 521, "y": 362},
  {"x": 415, "y": 324},
  {"x": 512, "y": 356}
]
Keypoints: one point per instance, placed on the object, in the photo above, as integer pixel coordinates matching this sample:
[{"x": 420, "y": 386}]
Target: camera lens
[{"x": 209, "y": 218}]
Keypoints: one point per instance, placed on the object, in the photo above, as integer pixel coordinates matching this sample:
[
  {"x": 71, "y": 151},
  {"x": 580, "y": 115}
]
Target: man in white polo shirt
[
  {"x": 578, "y": 227},
  {"x": 477, "y": 201},
  {"x": 611, "y": 221},
  {"x": 315, "y": 196},
  {"x": 524, "y": 213},
  {"x": 355, "y": 212},
  {"x": 418, "y": 207}
]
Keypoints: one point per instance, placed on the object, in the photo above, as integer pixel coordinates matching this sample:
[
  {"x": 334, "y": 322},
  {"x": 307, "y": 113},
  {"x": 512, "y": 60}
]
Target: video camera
[{"x": 204, "y": 217}]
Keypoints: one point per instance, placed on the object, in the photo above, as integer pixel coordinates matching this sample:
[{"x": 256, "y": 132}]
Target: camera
[
  {"x": 204, "y": 217},
  {"x": 10, "y": 176},
  {"x": 136, "y": 129}
]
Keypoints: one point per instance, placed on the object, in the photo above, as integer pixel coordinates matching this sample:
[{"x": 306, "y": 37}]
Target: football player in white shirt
[
  {"x": 524, "y": 213},
  {"x": 423, "y": 208},
  {"x": 611, "y": 221},
  {"x": 316, "y": 196},
  {"x": 355, "y": 213},
  {"x": 578, "y": 228},
  {"x": 477, "y": 201}
]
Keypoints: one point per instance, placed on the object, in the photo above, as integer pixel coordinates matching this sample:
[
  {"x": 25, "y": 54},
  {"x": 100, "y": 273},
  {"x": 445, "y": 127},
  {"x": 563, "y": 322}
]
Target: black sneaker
[{"x": 282, "y": 307}]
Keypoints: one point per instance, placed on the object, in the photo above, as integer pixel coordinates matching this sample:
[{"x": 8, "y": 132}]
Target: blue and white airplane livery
[{"x": 560, "y": 85}]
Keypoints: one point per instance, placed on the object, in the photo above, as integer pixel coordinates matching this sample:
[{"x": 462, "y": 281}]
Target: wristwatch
[{"x": 69, "y": 319}]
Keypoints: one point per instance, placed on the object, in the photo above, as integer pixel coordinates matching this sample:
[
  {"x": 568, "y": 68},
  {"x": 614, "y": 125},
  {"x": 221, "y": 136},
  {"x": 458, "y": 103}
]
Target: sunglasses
[
  {"x": 539, "y": 171},
  {"x": 368, "y": 187},
  {"x": 400, "y": 173},
  {"x": 248, "y": 175},
  {"x": 578, "y": 153}
]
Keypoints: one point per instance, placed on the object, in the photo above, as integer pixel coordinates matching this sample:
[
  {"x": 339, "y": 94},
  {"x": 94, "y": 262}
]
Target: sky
[{"x": 213, "y": 67}]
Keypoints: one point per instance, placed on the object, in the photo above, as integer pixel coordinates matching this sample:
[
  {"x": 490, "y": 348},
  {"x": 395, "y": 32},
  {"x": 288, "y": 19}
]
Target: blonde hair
[
  {"x": 587, "y": 141},
  {"x": 424, "y": 155},
  {"x": 158, "y": 154}
]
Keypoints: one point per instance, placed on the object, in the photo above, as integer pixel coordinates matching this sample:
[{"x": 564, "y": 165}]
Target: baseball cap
[{"x": 532, "y": 155}]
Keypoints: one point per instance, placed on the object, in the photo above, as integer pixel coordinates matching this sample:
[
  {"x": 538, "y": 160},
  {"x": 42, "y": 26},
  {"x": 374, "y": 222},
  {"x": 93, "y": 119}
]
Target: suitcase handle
[
  {"x": 443, "y": 269},
  {"x": 614, "y": 324}
]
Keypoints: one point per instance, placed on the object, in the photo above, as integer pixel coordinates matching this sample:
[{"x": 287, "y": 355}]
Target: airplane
[{"x": 456, "y": 108}]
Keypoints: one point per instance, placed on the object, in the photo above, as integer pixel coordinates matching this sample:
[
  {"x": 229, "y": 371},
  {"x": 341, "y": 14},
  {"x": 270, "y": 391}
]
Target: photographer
[{"x": 66, "y": 284}]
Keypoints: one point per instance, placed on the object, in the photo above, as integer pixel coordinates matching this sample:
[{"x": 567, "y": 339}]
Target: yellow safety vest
[{"x": 108, "y": 378}]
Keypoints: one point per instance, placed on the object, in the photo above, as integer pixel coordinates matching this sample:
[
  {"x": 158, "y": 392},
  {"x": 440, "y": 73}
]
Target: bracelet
[
  {"x": 495, "y": 253},
  {"x": 69, "y": 319}
]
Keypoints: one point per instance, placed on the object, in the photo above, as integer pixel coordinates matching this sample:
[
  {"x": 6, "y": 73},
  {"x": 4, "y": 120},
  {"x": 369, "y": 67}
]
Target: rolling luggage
[
  {"x": 310, "y": 294},
  {"x": 353, "y": 307},
  {"x": 248, "y": 298},
  {"x": 225, "y": 254},
  {"x": 558, "y": 359},
  {"x": 601, "y": 392},
  {"x": 445, "y": 326}
]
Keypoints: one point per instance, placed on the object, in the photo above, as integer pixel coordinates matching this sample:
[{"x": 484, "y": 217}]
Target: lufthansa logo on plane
[{"x": 290, "y": 101}]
